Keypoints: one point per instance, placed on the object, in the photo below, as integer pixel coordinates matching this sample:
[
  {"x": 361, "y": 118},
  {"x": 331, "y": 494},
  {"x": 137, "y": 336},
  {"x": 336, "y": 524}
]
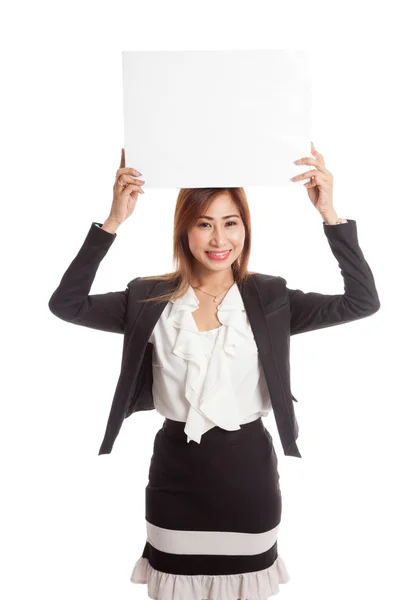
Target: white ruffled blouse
[{"x": 207, "y": 378}]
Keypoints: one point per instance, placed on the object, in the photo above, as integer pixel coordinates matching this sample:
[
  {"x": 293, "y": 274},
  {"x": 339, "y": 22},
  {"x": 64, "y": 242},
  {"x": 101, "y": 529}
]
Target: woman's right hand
[{"x": 126, "y": 189}]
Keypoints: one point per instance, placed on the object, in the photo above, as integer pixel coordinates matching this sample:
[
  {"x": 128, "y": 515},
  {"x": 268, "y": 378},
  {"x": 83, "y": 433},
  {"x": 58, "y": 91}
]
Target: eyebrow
[{"x": 212, "y": 218}]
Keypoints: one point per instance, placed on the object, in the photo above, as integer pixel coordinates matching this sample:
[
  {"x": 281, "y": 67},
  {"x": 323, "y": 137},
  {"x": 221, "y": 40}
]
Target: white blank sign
[{"x": 230, "y": 118}]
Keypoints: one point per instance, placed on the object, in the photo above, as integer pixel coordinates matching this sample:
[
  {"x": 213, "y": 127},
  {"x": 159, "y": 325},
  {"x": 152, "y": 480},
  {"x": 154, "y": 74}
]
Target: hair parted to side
[{"x": 190, "y": 203}]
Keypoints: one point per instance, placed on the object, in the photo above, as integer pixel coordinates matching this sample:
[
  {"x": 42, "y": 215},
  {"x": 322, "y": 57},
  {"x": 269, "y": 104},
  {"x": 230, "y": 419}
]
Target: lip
[{"x": 219, "y": 256}]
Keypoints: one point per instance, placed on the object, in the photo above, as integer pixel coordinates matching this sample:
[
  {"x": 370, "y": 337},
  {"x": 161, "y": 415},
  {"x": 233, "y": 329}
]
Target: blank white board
[{"x": 225, "y": 118}]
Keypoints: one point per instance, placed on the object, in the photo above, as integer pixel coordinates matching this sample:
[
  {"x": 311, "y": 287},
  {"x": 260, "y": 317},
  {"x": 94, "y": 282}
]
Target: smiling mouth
[{"x": 218, "y": 256}]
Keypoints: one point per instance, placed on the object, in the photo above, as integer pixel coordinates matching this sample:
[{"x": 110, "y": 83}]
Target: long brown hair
[{"x": 190, "y": 203}]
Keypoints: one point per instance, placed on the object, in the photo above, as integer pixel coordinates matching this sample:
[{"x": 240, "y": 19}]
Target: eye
[{"x": 205, "y": 223}]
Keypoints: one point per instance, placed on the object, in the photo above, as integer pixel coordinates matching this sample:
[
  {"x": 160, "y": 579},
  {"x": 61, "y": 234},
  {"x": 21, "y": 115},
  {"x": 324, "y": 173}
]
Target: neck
[{"x": 213, "y": 282}]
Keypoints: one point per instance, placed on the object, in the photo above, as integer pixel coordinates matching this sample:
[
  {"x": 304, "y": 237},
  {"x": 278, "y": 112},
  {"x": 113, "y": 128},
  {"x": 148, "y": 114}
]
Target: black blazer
[{"x": 275, "y": 313}]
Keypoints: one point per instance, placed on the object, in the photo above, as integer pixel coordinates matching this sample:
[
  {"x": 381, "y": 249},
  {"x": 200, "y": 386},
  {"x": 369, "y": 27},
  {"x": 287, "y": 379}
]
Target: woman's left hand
[{"x": 320, "y": 188}]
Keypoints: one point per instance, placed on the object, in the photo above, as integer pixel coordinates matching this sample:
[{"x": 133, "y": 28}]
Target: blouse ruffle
[
  {"x": 256, "y": 585},
  {"x": 208, "y": 387}
]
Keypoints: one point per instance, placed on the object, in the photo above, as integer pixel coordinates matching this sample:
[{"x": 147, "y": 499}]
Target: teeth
[{"x": 218, "y": 253}]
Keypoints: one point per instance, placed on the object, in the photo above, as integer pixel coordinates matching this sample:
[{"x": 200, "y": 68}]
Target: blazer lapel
[
  {"x": 254, "y": 304},
  {"x": 147, "y": 317}
]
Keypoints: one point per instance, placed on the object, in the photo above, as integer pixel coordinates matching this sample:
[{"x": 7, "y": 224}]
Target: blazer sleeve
[
  {"x": 71, "y": 300},
  {"x": 311, "y": 310}
]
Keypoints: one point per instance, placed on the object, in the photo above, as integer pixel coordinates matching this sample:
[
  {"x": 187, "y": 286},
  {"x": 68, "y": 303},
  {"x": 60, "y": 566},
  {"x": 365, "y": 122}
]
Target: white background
[{"x": 72, "y": 521}]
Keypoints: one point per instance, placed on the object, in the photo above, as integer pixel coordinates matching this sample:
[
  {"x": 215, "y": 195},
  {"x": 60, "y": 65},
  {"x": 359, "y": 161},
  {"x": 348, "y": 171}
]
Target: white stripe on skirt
[{"x": 210, "y": 542}]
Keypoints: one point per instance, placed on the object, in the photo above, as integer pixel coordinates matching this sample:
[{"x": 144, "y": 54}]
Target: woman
[{"x": 213, "y": 501}]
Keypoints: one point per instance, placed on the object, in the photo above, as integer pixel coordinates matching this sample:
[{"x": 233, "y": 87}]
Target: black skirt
[{"x": 212, "y": 516}]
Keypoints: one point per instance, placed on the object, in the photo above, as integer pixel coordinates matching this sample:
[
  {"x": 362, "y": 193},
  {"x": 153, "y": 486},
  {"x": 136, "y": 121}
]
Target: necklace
[{"x": 212, "y": 295}]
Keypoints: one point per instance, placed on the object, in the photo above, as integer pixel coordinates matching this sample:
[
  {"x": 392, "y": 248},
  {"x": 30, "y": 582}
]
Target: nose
[{"x": 219, "y": 237}]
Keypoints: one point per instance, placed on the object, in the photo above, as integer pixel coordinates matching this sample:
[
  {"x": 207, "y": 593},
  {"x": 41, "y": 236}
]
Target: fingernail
[{"x": 138, "y": 172}]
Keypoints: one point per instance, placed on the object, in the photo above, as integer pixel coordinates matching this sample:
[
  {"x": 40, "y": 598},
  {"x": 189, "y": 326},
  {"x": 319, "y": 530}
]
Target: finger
[
  {"x": 122, "y": 163},
  {"x": 319, "y": 182},
  {"x": 316, "y": 179},
  {"x": 128, "y": 178},
  {"x": 313, "y": 161},
  {"x": 317, "y": 154},
  {"x": 306, "y": 175},
  {"x": 128, "y": 170},
  {"x": 311, "y": 183},
  {"x": 131, "y": 187}
]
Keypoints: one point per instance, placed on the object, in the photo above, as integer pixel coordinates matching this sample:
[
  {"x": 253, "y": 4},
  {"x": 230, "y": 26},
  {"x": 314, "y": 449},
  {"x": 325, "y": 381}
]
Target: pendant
[{"x": 215, "y": 300}]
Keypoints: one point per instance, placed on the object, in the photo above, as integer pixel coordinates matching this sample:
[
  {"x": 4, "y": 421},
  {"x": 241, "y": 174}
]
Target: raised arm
[
  {"x": 312, "y": 310},
  {"x": 71, "y": 300}
]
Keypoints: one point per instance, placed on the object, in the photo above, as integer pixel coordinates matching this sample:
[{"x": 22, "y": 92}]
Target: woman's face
[{"x": 220, "y": 229}]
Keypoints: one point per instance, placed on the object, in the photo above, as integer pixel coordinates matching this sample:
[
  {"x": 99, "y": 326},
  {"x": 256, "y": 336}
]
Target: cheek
[
  {"x": 195, "y": 238},
  {"x": 237, "y": 237}
]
